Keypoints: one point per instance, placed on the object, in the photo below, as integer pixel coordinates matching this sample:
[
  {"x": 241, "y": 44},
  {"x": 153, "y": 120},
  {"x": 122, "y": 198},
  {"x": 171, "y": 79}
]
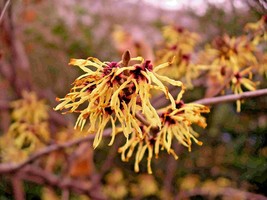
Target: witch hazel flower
[
  {"x": 176, "y": 126},
  {"x": 114, "y": 92}
]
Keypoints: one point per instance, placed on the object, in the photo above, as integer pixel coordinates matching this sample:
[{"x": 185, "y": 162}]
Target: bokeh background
[{"x": 37, "y": 40}]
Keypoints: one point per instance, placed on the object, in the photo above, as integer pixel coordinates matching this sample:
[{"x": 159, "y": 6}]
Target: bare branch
[
  {"x": 41, "y": 176},
  {"x": 4, "y": 105},
  {"x": 4, "y": 10},
  {"x": 17, "y": 185},
  {"x": 232, "y": 97},
  {"x": 65, "y": 194},
  {"x": 142, "y": 119},
  {"x": 226, "y": 192},
  {"x": 10, "y": 167}
]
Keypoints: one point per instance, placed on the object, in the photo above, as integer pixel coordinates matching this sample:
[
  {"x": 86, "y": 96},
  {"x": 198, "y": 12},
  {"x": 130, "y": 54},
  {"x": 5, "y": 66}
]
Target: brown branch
[
  {"x": 232, "y": 97},
  {"x": 4, "y": 105},
  {"x": 160, "y": 100},
  {"x": 226, "y": 192},
  {"x": 170, "y": 171},
  {"x": 18, "y": 190},
  {"x": 18, "y": 68},
  {"x": 41, "y": 176},
  {"x": 4, "y": 10},
  {"x": 11, "y": 167},
  {"x": 65, "y": 194},
  {"x": 142, "y": 119}
]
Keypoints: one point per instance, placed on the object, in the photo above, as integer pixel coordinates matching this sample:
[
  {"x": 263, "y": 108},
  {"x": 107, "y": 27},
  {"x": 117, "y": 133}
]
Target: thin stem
[
  {"x": 225, "y": 192},
  {"x": 10, "y": 167},
  {"x": 232, "y": 97},
  {"x": 17, "y": 188},
  {"x": 4, "y": 10},
  {"x": 142, "y": 119},
  {"x": 40, "y": 176}
]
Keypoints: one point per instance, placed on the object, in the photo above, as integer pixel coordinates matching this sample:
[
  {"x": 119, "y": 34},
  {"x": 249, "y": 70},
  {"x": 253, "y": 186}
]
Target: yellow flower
[
  {"x": 231, "y": 60},
  {"x": 30, "y": 126},
  {"x": 115, "y": 91},
  {"x": 118, "y": 92},
  {"x": 258, "y": 30},
  {"x": 262, "y": 66},
  {"x": 29, "y": 130},
  {"x": 179, "y": 35},
  {"x": 231, "y": 52},
  {"x": 29, "y": 108},
  {"x": 239, "y": 79},
  {"x": 176, "y": 123},
  {"x": 143, "y": 144},
  {"x": 179, "y": 44}
]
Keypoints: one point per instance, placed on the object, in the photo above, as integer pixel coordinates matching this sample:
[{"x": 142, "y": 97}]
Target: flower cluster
[
  {"x": 232, "y": 61},
  {"x": 119, "y": 93},
  {"x": 29, "y": 131},
  {"x": 179, "y": 45},
  {"x": 258, "y": 30},
  {"x": 176, "y": 124},
  {"x": 115, "y": 92}
]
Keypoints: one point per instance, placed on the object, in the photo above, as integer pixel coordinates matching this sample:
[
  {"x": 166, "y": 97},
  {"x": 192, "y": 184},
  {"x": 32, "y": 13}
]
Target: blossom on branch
[
  {"x": 231, "y": 64},
  {"x": 176, "y": 124},
  {"x": 115, "y": 92},
  {"x": 119, "y": 93}
]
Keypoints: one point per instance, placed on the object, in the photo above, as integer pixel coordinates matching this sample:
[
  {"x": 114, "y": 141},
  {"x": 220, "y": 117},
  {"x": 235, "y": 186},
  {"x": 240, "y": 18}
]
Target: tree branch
[
  {"x": 41, "y": 176},
  {"x": 18, "y": 189},
  {"x": 4, "y": 10},
  {"x": 7, "y": 168},
  {"x": 226, "y": 192},
  {"x": 11, "y": 167},
  {"x": 142, "y": 119},
  {"x": 232, "y": 97}
]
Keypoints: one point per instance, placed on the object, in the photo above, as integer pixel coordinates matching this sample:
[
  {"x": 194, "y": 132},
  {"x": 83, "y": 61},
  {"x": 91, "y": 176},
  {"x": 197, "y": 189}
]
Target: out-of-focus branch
[
  {"x": 160, "y": 100},
  {"x": 40, "y": 176},
  {"x": 65, "y": 194},
  {"x": 17, "y": 188},
  {"x": 216, "y": 100},
  {"x": 142, "y": 119},
  {"x": 4, "y": 10},
  {"x": 170, "y": 171},
  {"x": 232, "y": 97},
  {"x": 4, "y": 105},
  {"x": 226, "y": 192},
  {"x": 10, "y": 167},
  {"x": 18, "y": 68}
]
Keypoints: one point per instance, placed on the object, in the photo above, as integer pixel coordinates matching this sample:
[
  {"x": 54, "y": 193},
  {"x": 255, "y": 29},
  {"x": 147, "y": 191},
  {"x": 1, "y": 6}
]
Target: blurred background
[{"x": 37, "y": 40}]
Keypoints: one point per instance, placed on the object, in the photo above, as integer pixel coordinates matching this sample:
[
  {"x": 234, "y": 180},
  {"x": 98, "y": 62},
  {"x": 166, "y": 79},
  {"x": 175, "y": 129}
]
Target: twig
[
  {"x": 65, "y": 194},
  {"x": 160, "y": 100},
  {"x": 142, "y": 119},
  {"x": 17, "y": 185},
  {"x": 10, "y": 167},
  {"x": 19, "y": 72},
  {"x": 4, "y": 105},
  {"x": 170, "y": 171},
  {"x": 226, "y": 192},
  {"x": 43, "y": 177},
  {"x": 232, "y": 97},
  {"x": 109, "y": 161},
  {"x": 4, "y": 10}
]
